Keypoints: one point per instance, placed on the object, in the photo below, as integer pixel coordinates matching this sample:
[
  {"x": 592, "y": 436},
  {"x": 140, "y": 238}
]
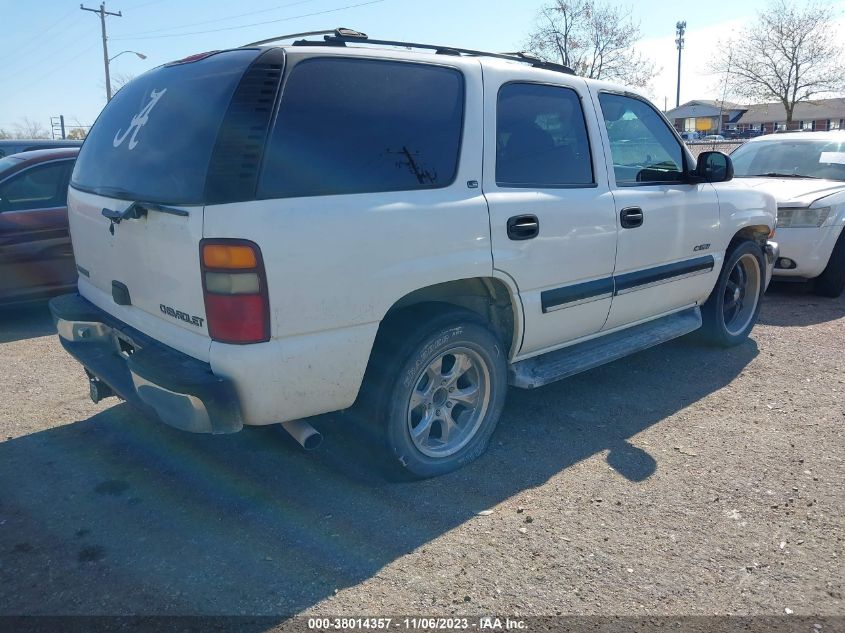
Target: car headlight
[{"x": 802, "y": 218}]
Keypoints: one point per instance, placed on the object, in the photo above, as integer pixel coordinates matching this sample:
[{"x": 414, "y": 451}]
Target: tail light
[{"x": 237, "y": 306}]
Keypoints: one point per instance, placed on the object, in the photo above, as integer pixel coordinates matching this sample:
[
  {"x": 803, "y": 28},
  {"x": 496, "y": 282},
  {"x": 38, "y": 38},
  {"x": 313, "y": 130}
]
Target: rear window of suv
[
  {"x": 154, "y": 139},
  {"x": 358, "y": 126}
]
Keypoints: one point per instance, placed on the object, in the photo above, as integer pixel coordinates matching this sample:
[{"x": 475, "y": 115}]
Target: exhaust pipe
[{"x": 309, "y": 437}]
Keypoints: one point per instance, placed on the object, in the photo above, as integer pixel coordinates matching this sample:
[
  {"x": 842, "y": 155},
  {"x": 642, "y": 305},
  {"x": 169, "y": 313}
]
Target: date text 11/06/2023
[{"x": 416, "y": 623}]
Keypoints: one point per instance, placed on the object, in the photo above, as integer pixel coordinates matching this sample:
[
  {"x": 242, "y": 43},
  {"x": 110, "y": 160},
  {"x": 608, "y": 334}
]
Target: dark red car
[{"x": 36, "y": 259}]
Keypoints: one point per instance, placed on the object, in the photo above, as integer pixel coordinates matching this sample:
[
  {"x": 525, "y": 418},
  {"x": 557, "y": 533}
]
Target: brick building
[
  {"x": 715, "y": 117},
  {"x": 704, "y": 116}
]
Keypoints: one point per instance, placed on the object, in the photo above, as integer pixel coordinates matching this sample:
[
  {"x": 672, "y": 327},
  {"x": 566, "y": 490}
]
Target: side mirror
[{"x": 713, "y": 167}]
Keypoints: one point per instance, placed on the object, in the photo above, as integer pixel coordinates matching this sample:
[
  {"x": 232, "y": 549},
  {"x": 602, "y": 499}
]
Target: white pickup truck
[{"x": 274, "y": 232}]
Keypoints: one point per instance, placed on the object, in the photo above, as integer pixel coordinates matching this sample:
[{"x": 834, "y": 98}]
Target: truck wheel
[
  {"x": 732, "y": 308},
  {"x": 831, "y": 282},
  {"x": 443, "y": 384}
]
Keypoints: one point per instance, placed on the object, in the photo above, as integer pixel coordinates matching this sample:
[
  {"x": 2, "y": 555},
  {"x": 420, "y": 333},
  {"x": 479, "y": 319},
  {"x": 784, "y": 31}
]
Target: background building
[
  {"x": 715, "y": 117},
  {"x": 705, "y": 117}
]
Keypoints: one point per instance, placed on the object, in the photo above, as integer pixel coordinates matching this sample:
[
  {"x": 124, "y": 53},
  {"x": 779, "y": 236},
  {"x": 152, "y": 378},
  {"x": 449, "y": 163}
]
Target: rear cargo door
[{"x": 138, "y": 191}]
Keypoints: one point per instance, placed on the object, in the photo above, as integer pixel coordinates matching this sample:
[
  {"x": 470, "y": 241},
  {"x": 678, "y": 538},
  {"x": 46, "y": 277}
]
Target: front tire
[
  {"x": 731, "y": 311},
  {"x": 442, "y": 384},
  {"x": 831, "y": 282}
]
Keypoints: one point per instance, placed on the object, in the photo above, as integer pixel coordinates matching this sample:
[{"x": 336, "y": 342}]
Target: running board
[{"x": 562, "y": 363}]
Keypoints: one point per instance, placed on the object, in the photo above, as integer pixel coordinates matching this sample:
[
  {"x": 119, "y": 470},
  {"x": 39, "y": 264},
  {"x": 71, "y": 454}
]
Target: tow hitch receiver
[{"x": 98, "y": 389}]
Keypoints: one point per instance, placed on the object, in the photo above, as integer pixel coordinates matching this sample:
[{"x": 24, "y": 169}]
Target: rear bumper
[
  {"x": 178, "y": 389},
  {"x": 772, "y": 252}
]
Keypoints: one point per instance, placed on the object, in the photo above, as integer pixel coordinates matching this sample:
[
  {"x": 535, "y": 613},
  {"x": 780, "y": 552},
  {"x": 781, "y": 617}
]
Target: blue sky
[{"x": 53, "y": 60}]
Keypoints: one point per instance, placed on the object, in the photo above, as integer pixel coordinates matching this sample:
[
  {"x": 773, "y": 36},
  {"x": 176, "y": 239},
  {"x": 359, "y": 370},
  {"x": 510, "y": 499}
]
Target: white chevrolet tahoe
[{"x": 273, "y": 232}]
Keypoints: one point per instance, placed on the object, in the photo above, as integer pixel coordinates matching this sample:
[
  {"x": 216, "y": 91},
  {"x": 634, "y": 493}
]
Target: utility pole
[
  {"x": 103, "y": 13},
  {"x": 680, "y": 29}
]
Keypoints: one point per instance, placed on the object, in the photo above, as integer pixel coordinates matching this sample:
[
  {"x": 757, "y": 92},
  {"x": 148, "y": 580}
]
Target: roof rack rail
[
  {"x": 342, "y": 36},
  {"x": 338, "y": 32}
]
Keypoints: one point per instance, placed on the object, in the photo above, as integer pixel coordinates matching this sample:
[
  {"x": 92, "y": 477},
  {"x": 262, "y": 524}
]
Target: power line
[
  {"x": 244, "y": 26},
  {"x": 50, "y": 53},
  {"x": 45, "y": 51},
  {"x": 19, "y": 48},
  {"x": 63, "y": 65},
  {"x": 228, "y": 17},
  {"x": 145, "y": 4}
]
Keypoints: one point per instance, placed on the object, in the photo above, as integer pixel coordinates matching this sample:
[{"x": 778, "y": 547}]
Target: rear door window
[
  {"x": 155, "y": 138},
  {"x": 541, "y": 137},
  {"x": 356, "y": 126}
]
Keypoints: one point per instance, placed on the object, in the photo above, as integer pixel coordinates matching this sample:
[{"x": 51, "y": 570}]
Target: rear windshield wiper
[
  {"x": 138, "y": 210},
  {"x": 775, "y": 174}
]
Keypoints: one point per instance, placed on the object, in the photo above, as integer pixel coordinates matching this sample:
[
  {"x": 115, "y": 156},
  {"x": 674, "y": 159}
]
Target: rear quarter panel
[{"x": 336, "y": 264}]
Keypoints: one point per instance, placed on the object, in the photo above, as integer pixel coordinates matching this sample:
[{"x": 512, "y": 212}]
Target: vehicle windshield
[{"x": 791, "y": 159}]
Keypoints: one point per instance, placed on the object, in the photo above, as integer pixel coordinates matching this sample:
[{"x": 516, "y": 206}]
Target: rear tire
[
  {"x": 731, "y": 311},
  {"x": 438, "y": 381},
  {"x": 831, "y": 282}
]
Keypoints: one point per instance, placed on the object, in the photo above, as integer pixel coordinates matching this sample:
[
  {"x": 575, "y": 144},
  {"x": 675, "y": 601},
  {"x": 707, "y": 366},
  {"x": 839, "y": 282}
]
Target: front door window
[{"x": 643, "y": 148}]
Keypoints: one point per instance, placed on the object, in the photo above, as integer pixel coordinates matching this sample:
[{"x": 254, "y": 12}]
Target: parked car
[
  {"x": 36, "y": 259},
  {"x": 714, "y": 137},
  {"x": 401, "y": 232},
  {"x": 18, "y": 145},
  {"x": 690, "y": 136},
  {"x": 805, "y": 171}
]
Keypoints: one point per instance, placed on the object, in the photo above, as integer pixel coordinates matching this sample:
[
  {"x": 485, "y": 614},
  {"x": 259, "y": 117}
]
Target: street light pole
[
  {"x": 103, "y": 13},
  {"x": 114, "y": 57},
  {"x": 139, "y": 55},
  {"x": 680, "y": 29}
]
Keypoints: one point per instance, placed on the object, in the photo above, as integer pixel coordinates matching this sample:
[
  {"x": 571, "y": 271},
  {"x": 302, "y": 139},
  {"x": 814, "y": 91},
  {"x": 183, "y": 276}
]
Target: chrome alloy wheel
[
  {"x": 742, "y": 293},
  {"x": 448, "y": 402}
]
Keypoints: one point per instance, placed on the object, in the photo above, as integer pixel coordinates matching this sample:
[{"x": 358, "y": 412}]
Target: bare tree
[
  {"x": 77, "y": 133},
  {"x": 118, "y": 80},
  {"x": 28, "y": 128},
  {"x": 593, "y": 39},
  {"x": 790, "y": 54},
  {"x": 4, "y": 133}
]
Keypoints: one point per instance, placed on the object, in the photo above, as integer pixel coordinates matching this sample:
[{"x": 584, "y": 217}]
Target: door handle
[
  {"x": 631, "y": 218},
  {"x": 523, "y": 227}
]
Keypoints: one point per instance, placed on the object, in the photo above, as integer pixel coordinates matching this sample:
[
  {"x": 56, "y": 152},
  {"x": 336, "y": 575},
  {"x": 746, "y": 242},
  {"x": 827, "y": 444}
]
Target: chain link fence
[{"x": 726, "y": 147}]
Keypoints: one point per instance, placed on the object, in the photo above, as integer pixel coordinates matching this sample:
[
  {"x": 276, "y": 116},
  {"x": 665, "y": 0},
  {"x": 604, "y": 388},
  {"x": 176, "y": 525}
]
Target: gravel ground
[{"x": 682, "y": 480}]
